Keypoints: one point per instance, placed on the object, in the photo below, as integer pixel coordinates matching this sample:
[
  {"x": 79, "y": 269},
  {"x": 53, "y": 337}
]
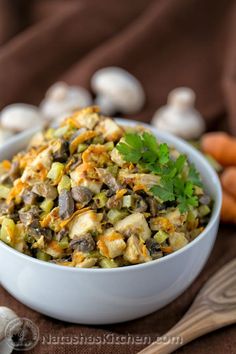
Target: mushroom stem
[{"x": 106, "y": 105}]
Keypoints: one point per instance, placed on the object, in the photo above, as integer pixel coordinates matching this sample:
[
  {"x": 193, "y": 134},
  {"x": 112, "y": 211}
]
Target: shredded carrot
[
  {"x": 102, "y": 246},
  {"x": 167, "y": 249},
  {"x": 139, "y": 187},
  {"x": 42, "y": 171},
  {"x": 49, "y": 217},
  {"x": 71, "y": 121},
  {"x": 6, "y": 164},
  {"x": 18, "y": 187},
  {"x": 120, "y": 193},
  {"x": 80, "y": 139},
  {"x": 77, "y": 212},
  {"x": 144, "y": 250}
]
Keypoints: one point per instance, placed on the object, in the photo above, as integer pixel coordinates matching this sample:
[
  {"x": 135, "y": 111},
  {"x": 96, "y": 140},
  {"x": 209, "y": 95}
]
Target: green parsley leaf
[
  {"x": 164, "y": 192},
  {"x": 194, "y": 176},
  {"x": 130, "y": 152},
  {"x": 163, "y": 154},
  {"x": 176, "y": 182}
]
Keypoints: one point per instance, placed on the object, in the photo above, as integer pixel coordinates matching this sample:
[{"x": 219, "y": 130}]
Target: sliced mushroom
[
  {"x": 6, "y": 209},
  {"x": 153, "y": 205},
  {"x": 61, "y": 150},
  {"x": 66, "y": 204},
  {"x": 28, "y": 216},
  {"x": 14, "y": 170},
  {"x": 108, "y": 179},
  {"x": 62, "y": 233},
  {"x": 36, "y": 231},
  {"x": 29, "y": 197},
  {"x": 140, "y": 205},
  {"x": 83, "y": 243},
  {"x": 82, "y": 195},
  {"x": 154, "y": 248},
  {"x": 45, "y": 190},
  {"x": 114, "y": 203}
]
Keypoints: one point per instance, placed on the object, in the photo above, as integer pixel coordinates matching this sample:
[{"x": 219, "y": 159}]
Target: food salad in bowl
[
  {"x": 91, "y": 193},
  {"x": 103, "y": 220}
]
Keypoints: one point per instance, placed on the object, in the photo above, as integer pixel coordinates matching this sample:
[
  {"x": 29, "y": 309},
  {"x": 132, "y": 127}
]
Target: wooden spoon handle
[
  {"x": 193, "y": 325},
  {"x": 213, "y": 308}
]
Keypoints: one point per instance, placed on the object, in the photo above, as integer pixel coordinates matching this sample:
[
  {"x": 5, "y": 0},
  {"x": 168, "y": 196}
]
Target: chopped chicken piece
[
  {"x": 177, "y": 240},
  {"x": 81, "y": 176},
  {"x": 134, "y": 224},
  {"x": 87, "y": 117},
  {"x": 109, "y": 129},
  {"x": 136, "y": 251},
  {"x": 176, "y": 218},
  {"x": 147, "y": 180},
  {"x": 111, "y": 244},
  {"x": 54, "y": 250},
  {"x": 84, "y": 223},
  {"x": 116, "y": 157}
]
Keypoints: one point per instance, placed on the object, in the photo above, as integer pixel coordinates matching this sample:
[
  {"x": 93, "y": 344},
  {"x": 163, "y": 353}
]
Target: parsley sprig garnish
[{"x": 176, "y": 182}]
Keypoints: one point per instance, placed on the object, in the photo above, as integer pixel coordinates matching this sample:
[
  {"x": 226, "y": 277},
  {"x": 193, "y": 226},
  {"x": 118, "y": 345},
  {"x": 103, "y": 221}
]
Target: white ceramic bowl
[{"x": 103, "y": 296}]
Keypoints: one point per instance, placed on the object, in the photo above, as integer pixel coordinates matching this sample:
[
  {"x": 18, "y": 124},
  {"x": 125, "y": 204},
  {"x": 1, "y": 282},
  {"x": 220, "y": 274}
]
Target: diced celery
[
  {"x": 114, "y": 215},
  {"x": 108, "y": 263},
  {"x": 4, "y": 191},
  {"x": 55, "y": 171},
  {"x": 49, "y": 133},
  {"x": 192, "y": 215},
  {"x": 47, "y": 205},
  {"x": 100, "y": 199},
  {"x": 204, "y": 210},
  {"x": 127, "y": 201},
  {"x": 7, "y": 231},
  {"x": 64, "y": 243},
  {"x": 94, "y": 254},
  {"x": 113, "y": 169},
  {"x": 109, "y": 146},
  {"x": 43, "y": 256},
  {"x": 61, "y": 131},
  {"x": 65, "y": 183},
  {"x": 160, "y": 236},
  {"x": 98, "y": 140},
  {"x": 81, "y": 147}
]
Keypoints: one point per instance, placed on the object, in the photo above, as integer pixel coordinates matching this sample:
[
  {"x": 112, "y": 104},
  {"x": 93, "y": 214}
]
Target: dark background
[{"x": 165, "y": 43}]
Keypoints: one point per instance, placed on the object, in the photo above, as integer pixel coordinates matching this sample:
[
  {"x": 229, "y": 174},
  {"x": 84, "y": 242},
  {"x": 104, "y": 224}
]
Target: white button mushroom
[
  {"x": 18, "y": 117},
  {"x": 5, "y": 135},
  {"x": 179, "y": 116},
  {"x": 7, "y": 315},
  {"x": 117, "y": 91},
  {"x": 63, "y": 99}
]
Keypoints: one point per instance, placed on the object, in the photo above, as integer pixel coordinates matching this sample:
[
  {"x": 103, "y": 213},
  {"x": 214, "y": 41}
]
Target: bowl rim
[{"x": 190, "y": 151}]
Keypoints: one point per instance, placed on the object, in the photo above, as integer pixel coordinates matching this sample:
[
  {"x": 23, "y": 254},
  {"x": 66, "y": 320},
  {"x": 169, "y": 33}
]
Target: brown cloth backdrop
[{"x": 165, "y": 43}]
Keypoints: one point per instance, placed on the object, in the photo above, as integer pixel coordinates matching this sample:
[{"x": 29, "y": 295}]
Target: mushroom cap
[
  {"x": 7, "y": 315},
  {"x": 20, "y": 116},
  {"x": 179, "y": 117},
  {"x": 61, "y": 98},
  {"x": 123, "y": 90},
  {"x": 187, "y": 126},
  {"x": 181, "y": 97}
]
